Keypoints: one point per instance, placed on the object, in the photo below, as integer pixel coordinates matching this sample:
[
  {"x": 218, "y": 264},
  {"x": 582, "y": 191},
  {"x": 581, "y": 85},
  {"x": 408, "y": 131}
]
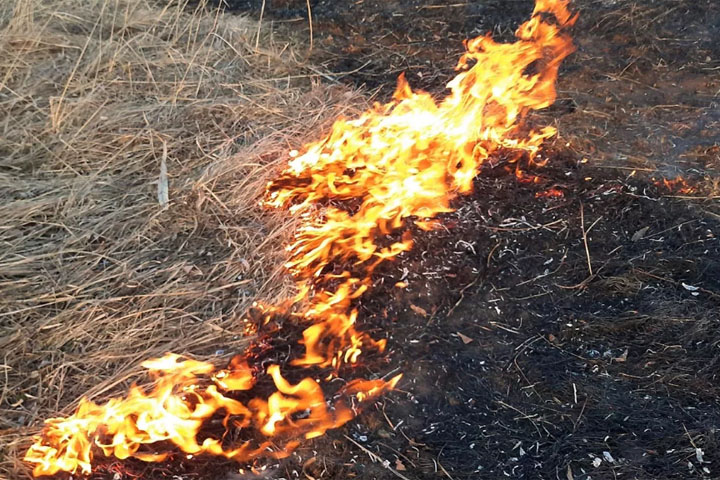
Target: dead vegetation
[{"x": 136, "y": 140}]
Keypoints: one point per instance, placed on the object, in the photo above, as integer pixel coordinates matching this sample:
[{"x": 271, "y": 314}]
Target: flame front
[
  {"x": 399, "y": 162},
  {"x": 183, "y": 398}
]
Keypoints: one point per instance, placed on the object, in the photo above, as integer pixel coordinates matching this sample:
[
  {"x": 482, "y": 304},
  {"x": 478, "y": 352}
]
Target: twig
[
  {"x": 433, "y": 7},
  {"x": 489, "y": 257},
  {"x": 582, "y": 410},
  {"x": 387, "y": 418},
  {"x": 674, "y": 282},
  {"x": 437, "y": 460},
  {"x": 375, "y": 458},
  {"x": 462, "y": 296},
  {"x": 262, "y": 13},
  {"x": 530, "y": 228},
  {"x": 692, "y": 442},
  {"x": 523, "y": 415},
  {"x": 309, "y": 10},
  {"x": 585, "y": 240},
  {"x": 334, "y": 77}
]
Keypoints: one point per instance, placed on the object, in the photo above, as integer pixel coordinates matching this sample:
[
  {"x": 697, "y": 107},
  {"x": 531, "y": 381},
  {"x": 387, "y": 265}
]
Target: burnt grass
[
  {"x": 559, "y": 338},
  {"x": 520, "y": 362},
  {"x": 556, "y": 338}
]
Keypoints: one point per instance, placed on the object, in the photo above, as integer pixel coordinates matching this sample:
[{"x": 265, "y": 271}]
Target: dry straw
[{"x": 135, "y": 143}]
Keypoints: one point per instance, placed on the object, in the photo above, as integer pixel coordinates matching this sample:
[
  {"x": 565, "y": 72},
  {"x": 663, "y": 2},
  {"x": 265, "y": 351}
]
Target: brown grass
[{"x": 98, "y": 99}]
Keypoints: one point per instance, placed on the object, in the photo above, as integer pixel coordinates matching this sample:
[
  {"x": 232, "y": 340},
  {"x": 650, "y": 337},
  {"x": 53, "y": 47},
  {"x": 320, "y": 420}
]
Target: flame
[
  {"x": 408, "y": 159},
  {"x": 552, "y": 192},
  {"x": 354, "y": 191},
  {"x": 176, "y": 408},
  {"x": 677, "y": 185}
]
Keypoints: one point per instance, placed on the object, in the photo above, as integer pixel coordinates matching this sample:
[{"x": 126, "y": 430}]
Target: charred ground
[{"x": 572, "y": 337}]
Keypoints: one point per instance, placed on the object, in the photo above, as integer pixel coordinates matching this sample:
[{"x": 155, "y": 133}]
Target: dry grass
[{"x": 98, "y": 98}]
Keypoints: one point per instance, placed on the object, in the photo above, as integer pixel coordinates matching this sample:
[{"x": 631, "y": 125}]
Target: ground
[{"x": 568, "y": 337}]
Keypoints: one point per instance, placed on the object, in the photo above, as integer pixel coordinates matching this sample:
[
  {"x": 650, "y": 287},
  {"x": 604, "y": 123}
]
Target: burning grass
[
  {"x": 567, "y": 316},
  {"x": 137, "y": 140},
  {"x": 404, "y": 160}
]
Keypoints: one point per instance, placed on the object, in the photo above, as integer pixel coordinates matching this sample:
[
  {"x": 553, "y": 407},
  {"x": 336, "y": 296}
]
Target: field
[{"x": 569, "y": 337}]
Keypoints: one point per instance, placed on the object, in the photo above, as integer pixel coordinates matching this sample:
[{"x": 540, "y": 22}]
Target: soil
[{"x": 541, "y": 337}]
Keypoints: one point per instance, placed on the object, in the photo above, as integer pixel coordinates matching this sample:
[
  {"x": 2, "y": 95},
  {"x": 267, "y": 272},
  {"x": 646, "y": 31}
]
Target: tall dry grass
[{"x": 135, "y": 141}]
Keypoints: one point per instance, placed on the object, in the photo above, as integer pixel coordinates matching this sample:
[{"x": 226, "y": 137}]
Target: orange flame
[
  {"x": 677, "y": 185},
  {"x": 177, "y": 407},
  {"x": 552, "y": 192},
  {"x": 405, "y": 160}
]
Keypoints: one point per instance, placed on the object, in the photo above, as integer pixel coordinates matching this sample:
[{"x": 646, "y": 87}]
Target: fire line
[{"x": 400, "y": 162}]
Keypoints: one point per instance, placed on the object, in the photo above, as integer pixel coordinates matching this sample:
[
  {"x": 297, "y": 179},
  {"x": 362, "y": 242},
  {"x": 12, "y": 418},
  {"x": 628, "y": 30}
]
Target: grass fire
[
  {"x": 403, "y": 160},
  {"x": 492, "y": 274}
]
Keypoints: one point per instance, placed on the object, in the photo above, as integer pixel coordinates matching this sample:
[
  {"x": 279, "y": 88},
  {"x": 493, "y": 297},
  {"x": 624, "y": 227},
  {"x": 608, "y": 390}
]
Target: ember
[
  {"x": 677, "y": 185},
  {"x": 553, "y": 192},
  {"x": 399, "y": 162}
]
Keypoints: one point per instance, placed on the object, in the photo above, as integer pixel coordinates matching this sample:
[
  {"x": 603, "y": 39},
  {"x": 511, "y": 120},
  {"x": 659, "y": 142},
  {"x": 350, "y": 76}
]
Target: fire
[
  {"x": 677, "y": 185},
  {"x": 183, "y": 398},
  {"x": 355, "y": 192},
  {"x": 552, "y": 192}
]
